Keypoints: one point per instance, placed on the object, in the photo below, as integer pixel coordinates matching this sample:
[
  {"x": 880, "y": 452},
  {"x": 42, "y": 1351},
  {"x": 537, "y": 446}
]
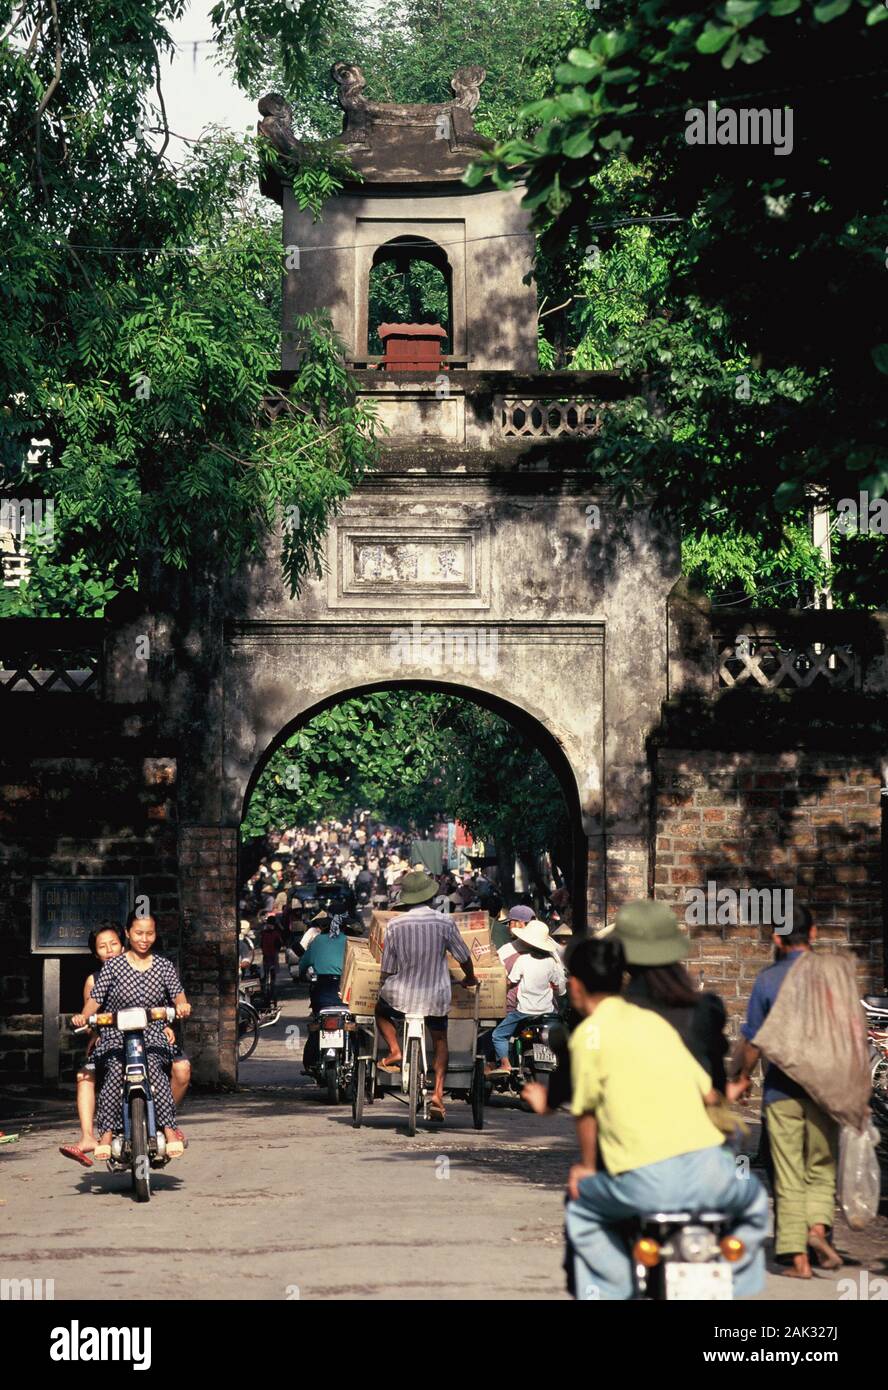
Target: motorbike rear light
[
  {"x": 332, "y": 1025},
  {"x": 732, "y": 1249},
  {"x": 646, "y": 1252}
]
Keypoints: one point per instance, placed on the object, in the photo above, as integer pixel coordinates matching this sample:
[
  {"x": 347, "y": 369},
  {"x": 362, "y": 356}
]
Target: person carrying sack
[{"x": 804, "y": 1016}]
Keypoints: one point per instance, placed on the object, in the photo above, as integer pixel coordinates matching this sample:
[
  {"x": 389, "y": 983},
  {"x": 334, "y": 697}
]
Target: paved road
[{"x": 279, "y": 1198}]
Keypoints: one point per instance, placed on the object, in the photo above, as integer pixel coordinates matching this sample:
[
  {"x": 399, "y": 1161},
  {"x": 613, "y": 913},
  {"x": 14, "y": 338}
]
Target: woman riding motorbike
[{"x": 136, "y": 979}]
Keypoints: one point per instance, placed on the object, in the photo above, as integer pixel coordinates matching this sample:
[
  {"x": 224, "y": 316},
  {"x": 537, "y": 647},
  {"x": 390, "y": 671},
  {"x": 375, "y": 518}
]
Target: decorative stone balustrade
[{"x": 50, "y": 655}]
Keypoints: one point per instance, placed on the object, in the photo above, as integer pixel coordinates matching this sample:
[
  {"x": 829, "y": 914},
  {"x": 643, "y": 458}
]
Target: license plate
[
  {"x": 334, "y": 1039},
  {"x": 541, "y": 1053},
  {"x": 701, "y": 1282}
]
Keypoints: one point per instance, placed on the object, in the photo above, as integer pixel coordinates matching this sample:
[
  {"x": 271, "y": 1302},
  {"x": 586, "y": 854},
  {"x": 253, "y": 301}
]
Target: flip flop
[
  {"x": 79, "y": 1155},
  {"x": 436, "y": 1110},
  {"x": 102, "y": 1153},
  {"x": 389, "y": 1066},
  {"x": 181, "y": 1137},
  {"x": 175, "y": 1148}
]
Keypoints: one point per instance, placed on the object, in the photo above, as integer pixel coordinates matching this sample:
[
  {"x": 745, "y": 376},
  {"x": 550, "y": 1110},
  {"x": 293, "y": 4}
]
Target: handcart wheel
[
  {"x": 359, "y": 1091},
  {"x": 477, "y": 1095}
]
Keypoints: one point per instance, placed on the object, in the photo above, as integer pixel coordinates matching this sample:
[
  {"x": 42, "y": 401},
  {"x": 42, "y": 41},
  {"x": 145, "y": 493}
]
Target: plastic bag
[{"x": 859, "y": 1178}]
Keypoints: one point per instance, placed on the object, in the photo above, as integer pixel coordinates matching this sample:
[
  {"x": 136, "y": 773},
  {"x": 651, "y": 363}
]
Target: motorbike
[
  {"x": 337, "y": 1051},
  {"x": 876, "y": 1009},
  {"x": 683, "y": 1255},
  {"x": 142, "y": 1145},
  {"x": 531, "y": 1054}
]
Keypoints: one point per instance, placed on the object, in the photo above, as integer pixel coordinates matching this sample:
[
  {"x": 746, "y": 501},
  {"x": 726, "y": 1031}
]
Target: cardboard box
[
  {"x": 473, "y": 927},
  {"x": 492, "y": 986},
  {"x": 359, "y": 986},
  {"x": 361, "y": 973}
]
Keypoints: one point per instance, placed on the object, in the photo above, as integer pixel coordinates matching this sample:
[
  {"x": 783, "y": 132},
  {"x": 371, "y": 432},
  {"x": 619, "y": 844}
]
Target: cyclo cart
[{"x": 465, "y": 1067}]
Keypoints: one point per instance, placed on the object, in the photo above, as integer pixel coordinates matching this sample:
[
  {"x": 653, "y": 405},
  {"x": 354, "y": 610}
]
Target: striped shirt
[{"x": 414, "y": 957}]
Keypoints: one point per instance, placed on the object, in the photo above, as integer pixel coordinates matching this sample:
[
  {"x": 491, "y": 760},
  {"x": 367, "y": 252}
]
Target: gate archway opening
[{"x": 572, "y": 850}]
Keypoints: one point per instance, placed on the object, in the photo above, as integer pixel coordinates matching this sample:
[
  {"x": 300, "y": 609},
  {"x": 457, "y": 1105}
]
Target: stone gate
[{"x": 475, "y": 557}]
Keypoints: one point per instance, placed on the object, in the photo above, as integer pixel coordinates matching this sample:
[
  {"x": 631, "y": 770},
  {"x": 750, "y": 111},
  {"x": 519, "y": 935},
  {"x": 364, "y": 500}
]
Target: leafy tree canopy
[
  {"x": 758, "y": 327},
  {"x": 139, "y": 314},
  {"x": 417, "y": 757}
]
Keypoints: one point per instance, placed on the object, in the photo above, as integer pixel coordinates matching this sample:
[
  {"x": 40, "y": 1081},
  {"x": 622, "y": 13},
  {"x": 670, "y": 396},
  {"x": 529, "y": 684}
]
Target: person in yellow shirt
[{"x": 640, "y": 1098}]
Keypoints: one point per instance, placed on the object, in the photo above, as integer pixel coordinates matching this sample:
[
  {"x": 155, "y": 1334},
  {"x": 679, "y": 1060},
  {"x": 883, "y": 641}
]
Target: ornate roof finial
[
  {"x": 351, "y": 83},
  {"x": 466, "y": 83}
]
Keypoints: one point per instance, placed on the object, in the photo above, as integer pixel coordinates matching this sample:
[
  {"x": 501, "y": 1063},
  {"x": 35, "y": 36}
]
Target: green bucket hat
[
  {"x": 649, "y": 933},
  {"x": 417, "y": 887}
]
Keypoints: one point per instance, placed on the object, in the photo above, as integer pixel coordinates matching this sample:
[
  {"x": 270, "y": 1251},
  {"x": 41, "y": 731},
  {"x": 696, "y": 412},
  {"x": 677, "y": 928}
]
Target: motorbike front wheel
[
  {"x": 141, "y": 1163},
  {"x": 414, "y": 1063}
]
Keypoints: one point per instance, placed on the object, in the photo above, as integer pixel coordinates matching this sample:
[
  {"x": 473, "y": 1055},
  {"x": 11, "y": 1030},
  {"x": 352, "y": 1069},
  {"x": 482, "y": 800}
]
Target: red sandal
[{"x": 79, "y": 1155}]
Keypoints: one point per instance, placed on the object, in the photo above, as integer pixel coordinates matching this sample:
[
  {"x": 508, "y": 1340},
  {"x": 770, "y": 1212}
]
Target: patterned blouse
[{"x": 119, "y": 986}]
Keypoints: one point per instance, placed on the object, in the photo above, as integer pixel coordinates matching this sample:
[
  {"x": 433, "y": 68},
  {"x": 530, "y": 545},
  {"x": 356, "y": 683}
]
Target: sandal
[
  {"x": 181, "y": 1138},
  {"x": 174, "y": 1148},
  {"x": 436, "y": 1110},
  {"x": 79, "y": 1155},
  {"x": 102, "y": 1153},
  {"x": 389, "y": 1066}
]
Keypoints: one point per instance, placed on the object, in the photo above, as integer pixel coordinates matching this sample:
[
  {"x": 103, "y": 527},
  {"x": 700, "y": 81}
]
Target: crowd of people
[
  {"x": 337, "y": 867},
  {"x": 642, "y": 1054}
]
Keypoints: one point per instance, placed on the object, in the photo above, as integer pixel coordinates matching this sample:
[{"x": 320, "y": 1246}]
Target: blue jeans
[
  {"x": 597, "y": 1258},
  {"x": 503, "y": 1032}
]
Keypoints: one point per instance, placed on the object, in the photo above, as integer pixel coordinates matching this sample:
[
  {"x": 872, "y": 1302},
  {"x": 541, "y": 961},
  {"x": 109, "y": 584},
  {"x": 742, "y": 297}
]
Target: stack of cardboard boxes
[{"x": 362, "y": 967}]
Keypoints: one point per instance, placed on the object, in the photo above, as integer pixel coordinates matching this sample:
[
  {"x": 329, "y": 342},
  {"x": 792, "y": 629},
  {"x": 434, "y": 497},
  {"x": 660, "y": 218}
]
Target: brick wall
[
  {"x": 111, "y": 813},
  {"x": 208, "y": 876},
  {"x": 802, "y": 820}
]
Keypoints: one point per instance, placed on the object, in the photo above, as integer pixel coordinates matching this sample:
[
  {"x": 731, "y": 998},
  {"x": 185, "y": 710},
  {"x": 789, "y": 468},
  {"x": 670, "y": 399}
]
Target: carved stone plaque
[{"x": 441, "y": 567}]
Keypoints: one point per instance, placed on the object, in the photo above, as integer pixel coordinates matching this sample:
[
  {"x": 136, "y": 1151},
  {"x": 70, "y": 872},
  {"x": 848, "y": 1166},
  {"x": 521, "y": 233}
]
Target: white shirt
[{"x": 535, "y": 979}]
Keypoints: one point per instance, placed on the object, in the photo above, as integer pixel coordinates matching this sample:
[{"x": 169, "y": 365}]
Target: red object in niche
[{"x": 412, "y": 347}]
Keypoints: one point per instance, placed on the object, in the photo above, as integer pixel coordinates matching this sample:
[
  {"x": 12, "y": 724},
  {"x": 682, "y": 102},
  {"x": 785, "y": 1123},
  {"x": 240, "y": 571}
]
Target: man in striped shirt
[{"x": 415, "y": 978}]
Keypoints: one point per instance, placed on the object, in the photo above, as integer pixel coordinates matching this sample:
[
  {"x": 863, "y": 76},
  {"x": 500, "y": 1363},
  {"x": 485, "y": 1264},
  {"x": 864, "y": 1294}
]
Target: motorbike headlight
[{"x": 696, "y": 1244}]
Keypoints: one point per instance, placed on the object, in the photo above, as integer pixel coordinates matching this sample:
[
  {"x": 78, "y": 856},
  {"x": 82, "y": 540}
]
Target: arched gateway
[{"x": 474, "y": 556}]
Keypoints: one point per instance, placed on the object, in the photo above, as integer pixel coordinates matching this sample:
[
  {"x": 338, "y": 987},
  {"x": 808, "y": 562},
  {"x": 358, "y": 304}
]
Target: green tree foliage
[
  {"x": 139, "y": 318},
  {"x": 417, "y": 757},
  {"x": 761, "y": 346}
]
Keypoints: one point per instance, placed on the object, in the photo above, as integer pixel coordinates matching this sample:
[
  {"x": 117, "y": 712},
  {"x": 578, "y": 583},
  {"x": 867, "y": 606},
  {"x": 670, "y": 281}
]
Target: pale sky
[{"x": 196, "y": 92}]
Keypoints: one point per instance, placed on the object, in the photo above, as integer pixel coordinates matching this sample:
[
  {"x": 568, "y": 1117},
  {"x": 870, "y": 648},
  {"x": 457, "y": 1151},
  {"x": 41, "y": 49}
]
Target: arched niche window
[{"x": 411, "y": 281}]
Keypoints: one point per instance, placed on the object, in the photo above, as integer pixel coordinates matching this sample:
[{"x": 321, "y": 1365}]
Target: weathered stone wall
[{"x": 805, "y": 820}]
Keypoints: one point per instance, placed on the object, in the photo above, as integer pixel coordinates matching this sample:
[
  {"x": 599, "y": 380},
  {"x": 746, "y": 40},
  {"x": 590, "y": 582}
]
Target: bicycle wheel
[
  {"x": 414, "y": 1063},
  {"x": 141, "y": 1165},
  {"x": 359, "y": 1091},
  {"x": 247, "y": 1031},
  {"x": 477, "y": 1095}
]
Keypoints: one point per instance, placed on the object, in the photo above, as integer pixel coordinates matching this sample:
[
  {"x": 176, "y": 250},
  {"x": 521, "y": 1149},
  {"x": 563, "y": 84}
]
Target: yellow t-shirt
[{"x": 631, "y": 1069}]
